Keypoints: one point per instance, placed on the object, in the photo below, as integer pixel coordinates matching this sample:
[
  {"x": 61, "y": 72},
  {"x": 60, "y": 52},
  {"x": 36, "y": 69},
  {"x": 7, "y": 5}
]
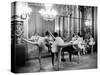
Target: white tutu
[{"x": 91, "y": 43}]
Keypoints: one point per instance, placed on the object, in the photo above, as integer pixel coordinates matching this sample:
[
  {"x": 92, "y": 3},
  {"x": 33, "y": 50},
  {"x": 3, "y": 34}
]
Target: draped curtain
[
  {"x": 76, "y": 21},
  {"x": 68, "y": 24}
]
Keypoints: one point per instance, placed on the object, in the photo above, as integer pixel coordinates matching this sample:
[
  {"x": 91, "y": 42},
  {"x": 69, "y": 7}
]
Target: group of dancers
[
  {"x": 53, "y": 42},
  {"x": 83, "y": 44}
]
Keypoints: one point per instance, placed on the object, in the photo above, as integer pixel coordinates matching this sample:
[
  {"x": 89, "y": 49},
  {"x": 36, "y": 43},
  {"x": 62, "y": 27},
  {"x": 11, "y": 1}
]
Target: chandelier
[
  {"x": 23, "y": 10},
  {"x": 48, "y": 13}
]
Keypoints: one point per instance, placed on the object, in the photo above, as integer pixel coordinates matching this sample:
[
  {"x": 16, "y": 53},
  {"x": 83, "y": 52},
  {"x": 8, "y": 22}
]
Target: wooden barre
[{"x": 33, "y": 43}]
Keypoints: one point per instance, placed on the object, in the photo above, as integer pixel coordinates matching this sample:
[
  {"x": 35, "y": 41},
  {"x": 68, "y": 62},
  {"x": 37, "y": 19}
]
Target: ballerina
[{"x": 41, "y": 43}]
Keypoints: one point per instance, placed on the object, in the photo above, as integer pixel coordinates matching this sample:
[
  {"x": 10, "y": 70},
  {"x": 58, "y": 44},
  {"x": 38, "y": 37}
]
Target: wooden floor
[{"x": 86, "y": 62}]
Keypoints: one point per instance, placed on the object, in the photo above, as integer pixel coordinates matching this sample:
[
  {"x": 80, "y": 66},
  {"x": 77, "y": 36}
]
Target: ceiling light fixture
[{"x": 48, "y": 13}]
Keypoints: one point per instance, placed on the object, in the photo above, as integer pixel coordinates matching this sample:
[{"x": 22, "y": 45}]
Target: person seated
[
  {"x": 74, "y": 38},
  {"x": 65, "y": 36},
  {"x": 81, "y": 45}
]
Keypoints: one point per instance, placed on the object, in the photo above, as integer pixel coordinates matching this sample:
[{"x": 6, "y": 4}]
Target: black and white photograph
[{"x": 48, "y": 37}]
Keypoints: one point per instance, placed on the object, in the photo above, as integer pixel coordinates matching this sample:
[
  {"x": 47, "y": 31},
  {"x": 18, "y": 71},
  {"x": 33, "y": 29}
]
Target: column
[
  {"x": 57, "y": 24},
  {"x": 61, "y": 26},
  {"x": 72, "y": 21},
  {"x": 25, "y": 25},
  {"x": 77, "y": 17}
]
